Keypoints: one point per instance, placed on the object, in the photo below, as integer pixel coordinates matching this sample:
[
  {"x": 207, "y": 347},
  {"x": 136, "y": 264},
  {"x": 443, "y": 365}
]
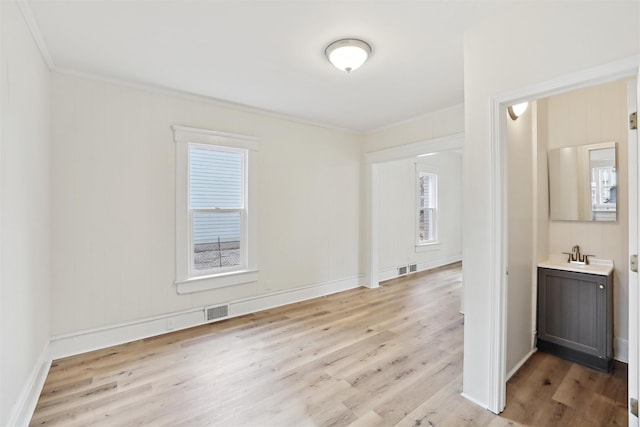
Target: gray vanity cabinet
[{"x": 575, "y": 316}]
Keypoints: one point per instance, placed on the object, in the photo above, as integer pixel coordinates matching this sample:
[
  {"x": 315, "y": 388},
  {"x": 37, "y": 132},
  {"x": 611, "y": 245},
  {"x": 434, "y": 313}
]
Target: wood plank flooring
[{"x": 365, "y": 357}]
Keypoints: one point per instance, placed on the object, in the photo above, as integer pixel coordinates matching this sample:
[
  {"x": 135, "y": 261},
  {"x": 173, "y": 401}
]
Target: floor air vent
[
  {"x": 218, "y": 312},
  {"x": 413, "y": 268},
  {"x": 402, "y": 271}
]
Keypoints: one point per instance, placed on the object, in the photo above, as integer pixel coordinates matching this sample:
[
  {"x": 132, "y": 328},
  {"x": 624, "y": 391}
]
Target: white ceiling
[{"x": 269, "y": 54}]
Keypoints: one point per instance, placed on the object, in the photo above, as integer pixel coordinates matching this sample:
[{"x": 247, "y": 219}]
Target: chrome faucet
[{"x": 576, "y": 257}]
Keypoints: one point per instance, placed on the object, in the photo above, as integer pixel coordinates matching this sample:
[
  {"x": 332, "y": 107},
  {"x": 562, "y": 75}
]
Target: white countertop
[{"x": 603, "y": 267}]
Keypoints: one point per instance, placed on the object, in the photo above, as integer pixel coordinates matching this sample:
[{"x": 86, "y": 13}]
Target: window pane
[
  {"x": 426, "y": 225},
  {"x": 216, "y": 240},
  {"x": 215, "y": 179},
  {"x": 427, "y": 191}
]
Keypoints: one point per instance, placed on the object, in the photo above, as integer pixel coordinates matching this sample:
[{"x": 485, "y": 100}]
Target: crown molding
[
  {"x": 163, "y": 90},
  {"x": 27, "y": 14},
  {"x": 412, "y": 119}
]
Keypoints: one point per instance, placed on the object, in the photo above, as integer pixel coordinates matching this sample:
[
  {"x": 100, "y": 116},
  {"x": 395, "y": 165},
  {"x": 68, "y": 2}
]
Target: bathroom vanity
[{"x": 575, "y": 311}]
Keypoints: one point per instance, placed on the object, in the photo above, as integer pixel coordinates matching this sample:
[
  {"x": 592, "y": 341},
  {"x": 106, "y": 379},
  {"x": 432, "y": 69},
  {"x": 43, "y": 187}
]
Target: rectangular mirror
[{"x": 583, "y": 183}]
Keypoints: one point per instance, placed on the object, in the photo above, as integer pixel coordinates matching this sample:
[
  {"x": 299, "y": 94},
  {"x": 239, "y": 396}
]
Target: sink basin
[{"x": 596, "y": 266}]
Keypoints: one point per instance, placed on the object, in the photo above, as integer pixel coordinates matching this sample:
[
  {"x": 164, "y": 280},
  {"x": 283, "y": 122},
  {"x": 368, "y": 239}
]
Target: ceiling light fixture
[
  {"x": 517, "y": 110},
  {"x": 348, "y": 54}
]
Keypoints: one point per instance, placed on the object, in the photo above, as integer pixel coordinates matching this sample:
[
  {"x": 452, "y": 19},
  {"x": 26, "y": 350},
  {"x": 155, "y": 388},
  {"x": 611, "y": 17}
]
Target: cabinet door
[{"x": 572, "y": 310}]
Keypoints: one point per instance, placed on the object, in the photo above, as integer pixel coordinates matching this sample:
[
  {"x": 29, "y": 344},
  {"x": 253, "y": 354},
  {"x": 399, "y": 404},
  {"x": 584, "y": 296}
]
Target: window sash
[
  {"x": 241, "y": 265},
  {"x": 194, "y": 272},
  {"x": 427, "y": 210},
  {"x": 248, "y": 273},
  {"x": 427, "y": 229}
]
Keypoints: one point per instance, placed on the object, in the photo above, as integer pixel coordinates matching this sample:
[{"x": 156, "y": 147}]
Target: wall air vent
[
  {"x": 413, "y": 268},
  {"x": 402, "y": 271},
  {"x": 214, "y": 313}
]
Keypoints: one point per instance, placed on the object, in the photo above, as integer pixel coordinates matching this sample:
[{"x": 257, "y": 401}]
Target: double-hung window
[
  {"x": 427, "y": 212},
  {"x": 215, "y": 213},
  {"x": 217, "y": 200}
]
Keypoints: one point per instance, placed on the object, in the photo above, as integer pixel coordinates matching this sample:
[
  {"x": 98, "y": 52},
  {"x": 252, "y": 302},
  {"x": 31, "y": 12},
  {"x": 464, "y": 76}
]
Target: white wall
[
  {"x": 449, "y": 121},
  {"x": 398, "y": 198},
  {"x": 554, "y": 39},
  {"x": 588, "y": 116},
  {"x": 113, "y": 172},
  {"x": 24, "y": 217}
]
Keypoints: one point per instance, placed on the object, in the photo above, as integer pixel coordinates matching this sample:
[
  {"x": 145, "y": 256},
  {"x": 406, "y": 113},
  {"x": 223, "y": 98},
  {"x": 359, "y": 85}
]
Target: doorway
[
  {"x": 381, "y": 266},
  {"x": 501, "y": 366}
]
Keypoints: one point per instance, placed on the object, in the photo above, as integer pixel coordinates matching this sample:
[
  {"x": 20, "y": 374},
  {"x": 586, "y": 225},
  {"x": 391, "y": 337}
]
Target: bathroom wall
[{"x": 592, "y": 115}]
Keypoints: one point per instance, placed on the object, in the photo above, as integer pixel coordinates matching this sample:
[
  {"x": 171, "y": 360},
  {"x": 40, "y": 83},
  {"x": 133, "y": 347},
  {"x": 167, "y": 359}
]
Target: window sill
[
  {"x": 205, "y": 283},
  {"x": 427, "y": 247}
]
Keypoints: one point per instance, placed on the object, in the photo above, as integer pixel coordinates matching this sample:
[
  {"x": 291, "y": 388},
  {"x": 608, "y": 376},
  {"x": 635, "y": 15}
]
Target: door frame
[
  {"x": 633, "y": 91},
  {"x": 372, "y": 162},
  {"x": 617, "y": 70}
]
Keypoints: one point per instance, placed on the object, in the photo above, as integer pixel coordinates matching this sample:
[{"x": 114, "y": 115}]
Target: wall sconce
[{"x": 517, "y": 110}]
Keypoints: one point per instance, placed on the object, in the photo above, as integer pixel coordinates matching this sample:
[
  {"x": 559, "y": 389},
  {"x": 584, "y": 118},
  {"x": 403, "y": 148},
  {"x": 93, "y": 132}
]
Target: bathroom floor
[{"x": 548, "y": 391}]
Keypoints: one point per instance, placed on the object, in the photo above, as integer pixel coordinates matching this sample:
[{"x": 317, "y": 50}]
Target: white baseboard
[
  {"x": 520, "y": 363},
  {"x": 388, "y": 274},
  {"x": 95, "y": 339},
  {"x": 290, "y": 296},
  {"x": 98, "y": 338},
  {"x": 439, "y": 262},
  {"x": 392, "y": 272},
  {"x": 28, "y": 398},
  {"x": 621, "y": 349},
  {"x": 473, "y": 400}
]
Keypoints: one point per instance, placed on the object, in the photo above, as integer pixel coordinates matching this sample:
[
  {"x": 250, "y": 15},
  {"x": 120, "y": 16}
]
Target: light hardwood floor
[{"x": 381, "y": 357}]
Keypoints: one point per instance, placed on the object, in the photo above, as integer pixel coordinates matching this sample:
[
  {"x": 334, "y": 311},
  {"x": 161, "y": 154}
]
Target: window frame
[
  {"x": 187, "y": 278},
  {"x": 421, "y": 171}
]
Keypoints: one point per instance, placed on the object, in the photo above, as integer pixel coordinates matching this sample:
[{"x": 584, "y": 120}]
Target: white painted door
[
  {"x": 634, "y": 238},
  {"x": 521, "y": 237}
]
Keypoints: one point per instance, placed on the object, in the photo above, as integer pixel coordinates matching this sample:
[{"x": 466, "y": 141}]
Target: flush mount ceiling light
[
  {"x": 517, "y": 110},
  {"x": 348, "y": 54}
]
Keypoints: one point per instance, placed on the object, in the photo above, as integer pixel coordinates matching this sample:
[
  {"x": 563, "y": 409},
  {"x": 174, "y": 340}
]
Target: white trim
[
  {"x": 290, "y": 296},
  {"x": 374, "y": 224},
  {"x": 520, "y": 363},
  {"x": 473, "y": 400},
  {"x": 27, "y": 14},
  {"x": 427, "y": 247},
  {"x": 388, "y": 274},
  {"x": 185, "y": 281},
  {"x": 621, "y": 349},
  {"x": 439, "y": 262},
  {"x": 498, "y": 292},
  {"x": 372, "y": 159},
  {"x": 412, "y": 119},
  {"x": 107, "y": 336},
  {"x": 186, "y": 134},
  {"x": 190, "y": 96},
  {"x": 204, "y": 283},
  {"x": 633, "y": 353},
  {"x": 28, "y": 398},
  {"x": 414, "y": 149},
  {"x": 392, "y": 272},
  {"x": 627, "y": 67},
  {"x": 103, "y": 337}
]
